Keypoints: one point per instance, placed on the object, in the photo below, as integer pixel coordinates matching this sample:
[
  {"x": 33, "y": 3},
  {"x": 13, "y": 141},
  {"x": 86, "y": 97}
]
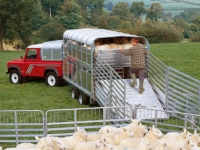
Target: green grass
[{"x": 180, "y": 56}]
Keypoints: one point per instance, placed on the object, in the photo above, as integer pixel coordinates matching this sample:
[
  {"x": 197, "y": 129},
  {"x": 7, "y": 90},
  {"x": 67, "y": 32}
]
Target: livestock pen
[{"x": 19, "y": 126}]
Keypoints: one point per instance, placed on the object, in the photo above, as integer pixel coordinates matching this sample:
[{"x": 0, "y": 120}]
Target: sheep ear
[
  {"x": 78, "y": 128},
  {"x": 37, "y": 138},
  {"x": 195, "y": 131}
]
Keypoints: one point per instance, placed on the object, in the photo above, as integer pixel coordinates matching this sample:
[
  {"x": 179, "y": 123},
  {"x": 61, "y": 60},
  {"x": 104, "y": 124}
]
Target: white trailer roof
[{"x": 89, "y": 35}]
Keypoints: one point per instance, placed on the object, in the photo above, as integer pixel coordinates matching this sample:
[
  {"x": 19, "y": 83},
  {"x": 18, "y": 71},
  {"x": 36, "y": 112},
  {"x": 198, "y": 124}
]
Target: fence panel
[
  {"x": 64, "y": 122},
  {"x": 18, "y": 126},
  {"x": 176, "y": 120}
]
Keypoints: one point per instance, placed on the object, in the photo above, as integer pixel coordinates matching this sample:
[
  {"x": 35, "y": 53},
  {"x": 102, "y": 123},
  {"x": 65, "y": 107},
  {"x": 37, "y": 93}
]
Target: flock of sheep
[{"x": 134, "y": 136}]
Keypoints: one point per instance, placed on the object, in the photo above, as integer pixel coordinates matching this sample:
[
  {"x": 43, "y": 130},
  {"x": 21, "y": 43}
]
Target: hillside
[{"x": 166, "y": 4}]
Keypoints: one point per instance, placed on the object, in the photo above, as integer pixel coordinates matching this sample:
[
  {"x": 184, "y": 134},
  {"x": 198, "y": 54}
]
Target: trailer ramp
[{"x": 147, "y": 99}]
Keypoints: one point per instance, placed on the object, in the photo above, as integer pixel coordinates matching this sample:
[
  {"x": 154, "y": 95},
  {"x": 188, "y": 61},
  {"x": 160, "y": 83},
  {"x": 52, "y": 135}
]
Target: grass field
[{"x": 36, "y": 95}]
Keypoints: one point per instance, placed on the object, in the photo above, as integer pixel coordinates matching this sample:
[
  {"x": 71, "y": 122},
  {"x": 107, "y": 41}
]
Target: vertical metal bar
[
  {"x": 45, "y": 122},
  {"x": 156, "y": 118},
  {"x": 167, "y": 87},
  {"x": 16, "y": 128},
  {"x": 104, "y": 116},
  {"x": 75, "y": 120}
]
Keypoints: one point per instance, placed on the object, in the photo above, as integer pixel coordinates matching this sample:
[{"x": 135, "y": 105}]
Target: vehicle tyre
[
  {"x": 52, "y": 79},
  {"x": 75, "y": 93},
  {"x": 83, "y": 99},
  {"x": 15, "y": 77}
]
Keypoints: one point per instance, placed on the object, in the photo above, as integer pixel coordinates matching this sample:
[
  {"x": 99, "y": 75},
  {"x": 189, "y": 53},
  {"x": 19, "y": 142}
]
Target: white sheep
[
  {"x": 71, "y": 141},
  {"x": 125, "y": 133},
  {"x": 140, "y": 131},
  {"x": 50, "y": 141},
  {"x": 106, "y": 146},
  {"x": 127, "y": 45},
  {"x": 113, "y": 46},
  {"x": 196, "y": 138},
  {"x": 161, "y": 146},
  {"x": 143, "y": 145},
  {"x": 93, "y": 136},
  {"x": 134, "y": 123},
  {"x": 1, "y": 148},
  {"x": 177, "y": 136},
  {"x": 88, "y": 145},
  {"x": 152, "y": 136},
  {"x": 26, "y": 145},
  {"x": 174, "y": 145}
]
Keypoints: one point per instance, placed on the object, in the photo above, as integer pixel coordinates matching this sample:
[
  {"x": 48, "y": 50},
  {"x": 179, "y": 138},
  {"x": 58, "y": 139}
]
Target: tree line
[{"x": 25, "y": 22}]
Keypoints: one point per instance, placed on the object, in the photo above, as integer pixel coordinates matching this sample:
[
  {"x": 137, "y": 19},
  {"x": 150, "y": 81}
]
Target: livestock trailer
[{"x": 93, "y": 65}]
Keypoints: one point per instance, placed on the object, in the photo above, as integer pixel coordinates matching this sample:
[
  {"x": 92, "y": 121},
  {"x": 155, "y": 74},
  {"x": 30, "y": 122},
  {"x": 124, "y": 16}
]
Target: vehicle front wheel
[
  {"x": 51, "y": 79},
  {"x": 15, "y": 77}
]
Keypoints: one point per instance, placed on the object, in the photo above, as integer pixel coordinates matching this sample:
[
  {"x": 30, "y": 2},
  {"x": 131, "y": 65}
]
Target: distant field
[{"x": 167, "y": 5}]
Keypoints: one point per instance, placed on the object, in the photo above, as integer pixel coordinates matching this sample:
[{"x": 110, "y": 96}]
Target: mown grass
[{"x": 180, "y": 56}]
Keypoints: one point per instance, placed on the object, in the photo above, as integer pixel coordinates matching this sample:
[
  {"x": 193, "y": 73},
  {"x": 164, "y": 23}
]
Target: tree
[
  {"x": 51, "y": 6},
  {"x": 109, "y": 6},
  {"x": 69, "y": 15},
  {"x": 15, "y": 17},
  {"x": 155, "y": 11},
  {"x": 137, "y": 8},
  {"x": 114, "y": 22},
  {"x": 39, "y": 17},
  {"x": 50, "y": 31},
  {"x": 121, "y": 9},
  {"x": 90, "y": 9}
]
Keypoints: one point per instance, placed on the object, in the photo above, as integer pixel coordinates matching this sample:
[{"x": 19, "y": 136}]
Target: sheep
[
  {"x": 143, "y": 145},
  {"x": 88, "y": 145},
  {"x": 134, "y": 123},
  {"x": 26, "y": 145},
  {"x": 50, "y": 141},
  {"x": 171, "y": 145},
  {"x": 100, "y": 47},
  {"x": 125, "y": 133},
  {"x": 196, "y": 138},
  {"x": 161, "y": 146},
  {"x": 1, "y": 148},
  {"x": 127, "y": 45},
  {"x": 140, "y": 131},
  {"x": 106, "y": 146},
  {"x": 177, "y": 136},
  {"x": 152, "y": 136},
  {"x": 71, "y": 141},
  {"x": 113, "y": 45},
  {"x": 93, "y": 136}
]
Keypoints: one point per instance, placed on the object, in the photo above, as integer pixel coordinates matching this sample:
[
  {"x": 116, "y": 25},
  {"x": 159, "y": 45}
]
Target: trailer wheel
[
  {"x": 52, "y": 79},
  {"x": 75, "y": 93},
  {"x": 83, "y": 99},
  {"x": 15, "y": 77}
]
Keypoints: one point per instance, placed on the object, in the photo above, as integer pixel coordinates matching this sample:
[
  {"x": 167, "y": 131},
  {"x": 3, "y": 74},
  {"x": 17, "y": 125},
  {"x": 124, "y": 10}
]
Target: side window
[{"x": 32, "y": 54}]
